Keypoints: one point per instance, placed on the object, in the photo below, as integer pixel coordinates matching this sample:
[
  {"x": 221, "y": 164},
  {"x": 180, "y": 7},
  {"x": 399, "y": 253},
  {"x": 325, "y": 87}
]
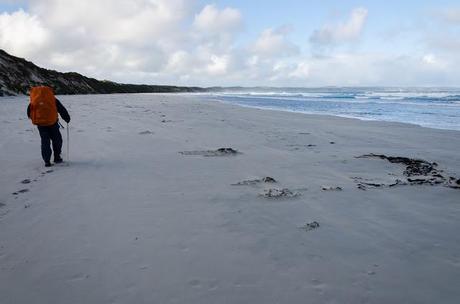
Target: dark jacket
[{"x": 60, "y": 108}]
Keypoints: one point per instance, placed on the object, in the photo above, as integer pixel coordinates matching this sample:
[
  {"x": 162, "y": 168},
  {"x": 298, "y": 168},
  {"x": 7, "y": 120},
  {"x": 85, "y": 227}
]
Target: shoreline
[{"x": 332, "y": 115}]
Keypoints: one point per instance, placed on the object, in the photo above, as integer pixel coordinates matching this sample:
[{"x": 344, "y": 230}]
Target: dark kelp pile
[
  {"x": 248, "y": 182},
  {"x": 211, "y": 153},
  {"x": 416, "y": 172}
]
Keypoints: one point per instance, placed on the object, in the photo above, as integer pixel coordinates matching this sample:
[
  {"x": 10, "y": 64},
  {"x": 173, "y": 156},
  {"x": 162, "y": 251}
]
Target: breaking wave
[{"x": 429, "y": 107}]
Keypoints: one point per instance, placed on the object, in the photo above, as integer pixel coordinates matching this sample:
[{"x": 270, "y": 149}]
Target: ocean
[{"x": 428, "y": 107}]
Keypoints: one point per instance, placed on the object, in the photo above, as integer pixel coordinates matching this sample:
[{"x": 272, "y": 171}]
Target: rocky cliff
[{"x": 17, "y": 75}]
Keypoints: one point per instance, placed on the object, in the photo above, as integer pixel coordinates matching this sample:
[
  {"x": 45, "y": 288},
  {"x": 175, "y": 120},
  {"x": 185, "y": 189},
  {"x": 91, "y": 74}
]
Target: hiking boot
[
  {"x": 48, "y": 164},
  {"x": 58, "y": 160}
]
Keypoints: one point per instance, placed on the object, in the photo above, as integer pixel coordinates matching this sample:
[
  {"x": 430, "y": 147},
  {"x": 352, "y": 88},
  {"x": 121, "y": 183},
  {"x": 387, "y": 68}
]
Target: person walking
[{"x": 43, "y": 110}]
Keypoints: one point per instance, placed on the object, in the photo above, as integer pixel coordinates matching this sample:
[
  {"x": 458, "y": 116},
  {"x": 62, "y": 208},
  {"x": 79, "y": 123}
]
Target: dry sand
[{"x": 149, "y": 211}]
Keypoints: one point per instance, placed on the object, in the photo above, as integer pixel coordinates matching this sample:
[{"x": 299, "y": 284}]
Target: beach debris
[
  {"x": 398, "y": 182},
  {"x": 211, "y": 153},
  {"x": 147, "y": 132},
  {"x": 25, "y": 181},
  {"x": 20, "y": 191},
  {"x": 226, "y": 151},
  {"x": 416, "y": 172},
  {"x": 331, "y": 188},
  {"x": 269, "y": 179},
  {"x": 249, "y": 182},
  {"x": 453, "y": 183},
  {"x": 414, "y": 167},
  {"x": 310, "y": 226},
  {"x": 295, "y": 147},
  {"x": 279, "y": 193},
  {"x": 272, "y": 193},
  {"x": 363, "y": 183}
]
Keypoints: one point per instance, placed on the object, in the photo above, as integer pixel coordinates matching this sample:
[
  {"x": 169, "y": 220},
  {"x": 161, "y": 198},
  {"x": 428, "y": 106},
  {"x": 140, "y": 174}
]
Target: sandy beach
[{"x": 149, "y": 210}]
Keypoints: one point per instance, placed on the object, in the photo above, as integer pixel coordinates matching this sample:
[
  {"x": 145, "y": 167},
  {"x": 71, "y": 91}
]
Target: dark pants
[{"x": 50, "y": 134}]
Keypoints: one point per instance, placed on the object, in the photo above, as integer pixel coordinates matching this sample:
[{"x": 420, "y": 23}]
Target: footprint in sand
[
  {"x": 195, "y": 283},
  {"x": 295, "y": 147},
  {"x": 318, "y": 286},
  {"x": 372, "y": 271},
  {"x": 20, "y": 191},
  {"x": 316, "y": 282},
  {"x": 213, "y": 285},
  {"x": 147, "y": 132},
  {"x": 26, "y": 181}
]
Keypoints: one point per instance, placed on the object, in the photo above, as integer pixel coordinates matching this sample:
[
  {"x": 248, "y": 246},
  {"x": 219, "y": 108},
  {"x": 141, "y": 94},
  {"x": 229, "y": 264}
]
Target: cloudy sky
[{"x": 240, "y": 42}]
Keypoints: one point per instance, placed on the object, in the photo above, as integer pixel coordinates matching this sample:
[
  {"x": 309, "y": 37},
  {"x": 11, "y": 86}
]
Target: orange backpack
[{"x": 43, "y": 109}]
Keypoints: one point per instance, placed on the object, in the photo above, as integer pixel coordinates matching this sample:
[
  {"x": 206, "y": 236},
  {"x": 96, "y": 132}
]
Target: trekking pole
[{"x": 68, "y": 138}]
